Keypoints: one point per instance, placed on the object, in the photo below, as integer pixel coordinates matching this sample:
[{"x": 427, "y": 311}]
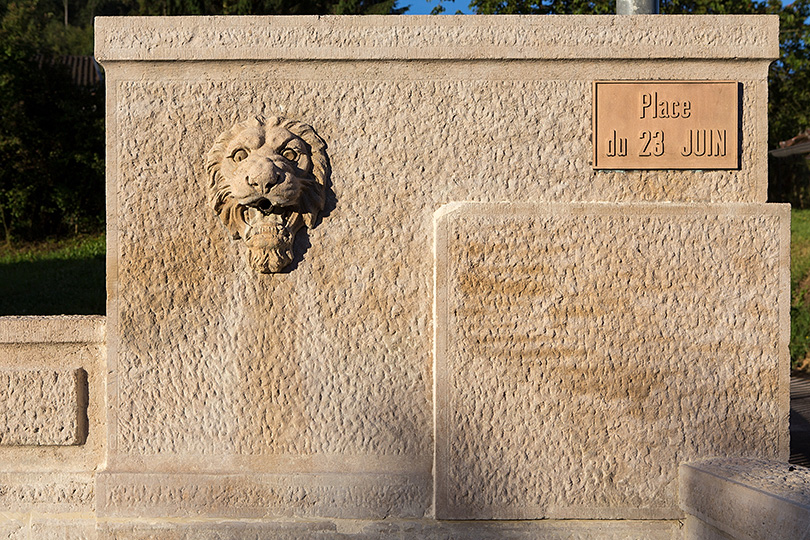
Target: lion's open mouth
[
  {"x": 269, "y": 221},
  {"x": 268, "y": 235}
]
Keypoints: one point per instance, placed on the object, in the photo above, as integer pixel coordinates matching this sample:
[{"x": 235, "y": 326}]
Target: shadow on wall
[{"x": 53, "y": 287}]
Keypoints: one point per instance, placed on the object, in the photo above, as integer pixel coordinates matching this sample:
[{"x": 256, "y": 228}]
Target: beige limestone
[
  {"x": 52, "y": 386},
  {"x": 399, "y": 529},
  {"x": 694, "y": 529},
  {"x": 70, "y": 351},
  {"x": 47, "y": 492},
  {"x": 63, "y": 527},
  {"x": 267, "y": 179},
  {"x": 43, "y": 407},
  {"x": 448, "y": 38},
  {"x": 275, "y": 401},
  {"x": 262, "y": 496},
  {"x": 582, "y": 353},
  {"x": 749, "y": 499},
  {"x": 52, "y": 329}
]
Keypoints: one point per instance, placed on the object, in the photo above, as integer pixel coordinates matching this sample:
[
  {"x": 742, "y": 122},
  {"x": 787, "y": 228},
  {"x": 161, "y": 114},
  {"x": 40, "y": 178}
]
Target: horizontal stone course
[
  {"x": 52, "y": 329},
  {"x": 422, "y": 529},
  {"x": 425, "y": 37},
  {"x": 257, "y": 496}
]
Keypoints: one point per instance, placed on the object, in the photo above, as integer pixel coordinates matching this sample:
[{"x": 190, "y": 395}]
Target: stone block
[
  {"x": 426, "y": 38},
  {"x": 43, "y": 407},
  {"x": 309, "y": 391},
  {"x": 399, "y": 529},
  {"x": 13, "y": 527},
  {"x": 749, "y": 499},
  {"x": 261, "y": 496},
  {"x": 51, "y": 414},
  {"x": 70, "y": 527},
  {"x": 52, "y": 329},
  {"x": 48, "y": 492},
  {"x": 583, "y": 351},
  {"x": 694, "y": 529}
]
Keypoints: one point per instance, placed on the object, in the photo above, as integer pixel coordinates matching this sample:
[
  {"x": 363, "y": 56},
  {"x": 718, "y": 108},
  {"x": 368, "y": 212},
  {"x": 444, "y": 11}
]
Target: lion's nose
[{"x": 264, "y": 176}]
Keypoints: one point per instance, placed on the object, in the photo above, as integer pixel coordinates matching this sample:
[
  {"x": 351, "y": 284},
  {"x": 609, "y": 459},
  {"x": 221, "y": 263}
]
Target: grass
[
  {"x": 54, "y": 277},
  {"x": 800, "y": 289}
]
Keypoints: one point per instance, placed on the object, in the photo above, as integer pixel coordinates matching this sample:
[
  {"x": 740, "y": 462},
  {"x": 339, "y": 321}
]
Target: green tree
[
  {"x": 51, "y": 134},
  {"x": 268, "y": 7}
]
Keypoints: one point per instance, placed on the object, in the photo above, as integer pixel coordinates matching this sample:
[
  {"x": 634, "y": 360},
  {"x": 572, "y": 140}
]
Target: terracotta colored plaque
[{"x": 666, "y": 125}]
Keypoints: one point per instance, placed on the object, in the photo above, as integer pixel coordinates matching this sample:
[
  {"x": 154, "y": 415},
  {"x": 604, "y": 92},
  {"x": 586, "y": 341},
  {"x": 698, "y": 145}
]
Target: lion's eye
[
  {"x": 290, "y": 154},
  {"x": 239, "y": 155}
]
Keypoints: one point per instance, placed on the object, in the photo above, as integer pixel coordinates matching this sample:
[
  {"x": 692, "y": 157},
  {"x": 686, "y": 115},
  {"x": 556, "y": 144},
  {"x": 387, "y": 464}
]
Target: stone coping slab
[
  {"x": 413, "y": 37},
  {"x": 53, "y": 329},
  {"x": 748, "y": 498}
]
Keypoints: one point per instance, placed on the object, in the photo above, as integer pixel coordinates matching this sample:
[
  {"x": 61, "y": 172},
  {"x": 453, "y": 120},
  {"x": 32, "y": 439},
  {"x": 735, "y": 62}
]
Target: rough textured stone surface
[
  {"x": 309, "y": 392},
  {"x": 13, "y": 527},
  {"x": 750, "y": 499},
  {"x": 51, "y": 492},
  {"x": 39, "y": 407},
  {"x": 425, "y": 37},
  {"x": 403, "y": 530},
  {"x": 445, "y": 131},
  {"x": 51, "y": 394},
  {"x": 582, "y": 353},
  {"x": 57, "y": 527},
  {"x": 55, "y": 357},
  {"x": 362, "y": 496}
]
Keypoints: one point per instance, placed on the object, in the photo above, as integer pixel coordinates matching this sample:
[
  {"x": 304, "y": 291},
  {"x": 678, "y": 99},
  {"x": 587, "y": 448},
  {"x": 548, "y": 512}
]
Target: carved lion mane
[{"x": 267, "y": 179}]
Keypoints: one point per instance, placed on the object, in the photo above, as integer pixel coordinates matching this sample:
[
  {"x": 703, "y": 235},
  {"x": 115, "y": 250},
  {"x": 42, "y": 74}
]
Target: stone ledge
[
  {"x": 52, "y": 492},
  {"x": 261, "y": 496},
  {"x": 748, "y": 498},
  {"x": 416, "y": 529},
  {"x": 412, "y": 37},
  {"x": 53, "y": 329}
]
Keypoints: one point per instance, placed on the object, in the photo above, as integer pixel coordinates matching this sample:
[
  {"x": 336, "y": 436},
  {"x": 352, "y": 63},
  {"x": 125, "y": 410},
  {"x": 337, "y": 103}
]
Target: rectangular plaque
[{"x": 666, "y": 125}]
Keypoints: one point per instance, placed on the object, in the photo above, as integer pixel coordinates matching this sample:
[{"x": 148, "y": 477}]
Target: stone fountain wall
[{"x": 465, "y": 320}]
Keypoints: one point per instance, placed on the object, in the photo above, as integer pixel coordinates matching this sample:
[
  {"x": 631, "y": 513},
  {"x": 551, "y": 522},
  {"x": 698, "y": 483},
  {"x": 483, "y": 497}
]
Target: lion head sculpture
[{"x": 267, "y": 179}]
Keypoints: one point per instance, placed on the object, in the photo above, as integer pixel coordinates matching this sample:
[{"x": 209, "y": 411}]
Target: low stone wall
[{"x": 52, "y": 421}]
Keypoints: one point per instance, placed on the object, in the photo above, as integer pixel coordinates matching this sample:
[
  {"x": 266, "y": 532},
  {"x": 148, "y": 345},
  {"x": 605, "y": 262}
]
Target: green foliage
[
  {"x": 267, "y": 7},
  {"x": 789, "y": 84},
  {"x": 73, "y": 271},
  {"x": 799, "y": 285},
  {"x": 52, "y": 134},
  {"x": 51, "y": 137},
  {"x": 788, "y": 180},
  {"x": 544, "y": 7}
]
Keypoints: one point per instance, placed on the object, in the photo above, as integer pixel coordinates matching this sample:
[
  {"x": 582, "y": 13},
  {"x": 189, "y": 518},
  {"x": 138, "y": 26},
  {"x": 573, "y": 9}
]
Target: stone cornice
[{"x": 457, "y": 37}]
